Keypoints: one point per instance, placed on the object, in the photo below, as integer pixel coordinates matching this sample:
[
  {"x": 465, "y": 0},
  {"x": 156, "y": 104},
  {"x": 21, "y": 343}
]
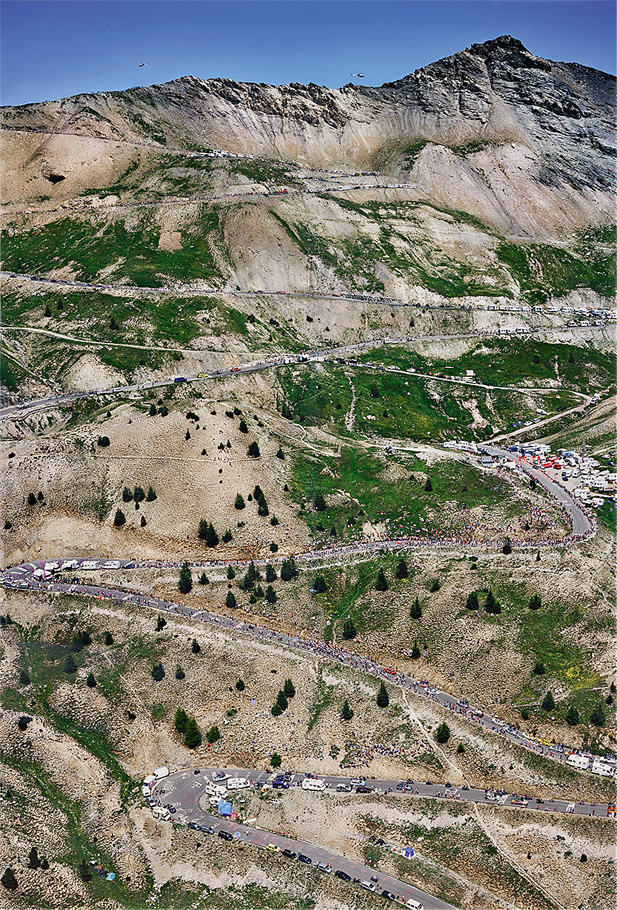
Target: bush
[
  {"x": 349, "y": 629},
  {"x": 103, "y": 441},
  {"x": 203, "y": 579},
  {"x": 69, "y": 665},
  {"x": 185, "y": 582},
  {"x": 280, "y": 454},
  {"x": 91, "y": 681},
  {"x": 383, "y": 699},
  {"x": 319, "y": 585},
  {"x": 435, "y": 586},
  {"x": 491, "y": 605},
  {"x": 151, "y": 495},
  {"x": 275, "y": 760},
  {"x": 548, "y": 702},
  {"x": 31, "y": 499},
  {"x": 24, "y": 679},
  {"x": 243, "y": 427},
  {"x": 382, "y": 583},
  {"x": 415, "y": 651},
  {"x": 158, "y": 672},
  {"x": 180, "y": 720},
  {"x": 428, "y": 486},
  {"x": 416, "y": 610},
  {"x": 239, "y": 503},
  {"x": 472, "y": 601},
  {"x": 276, "y": 710},
  {"x": 401, "y": 570},
  {"x": 240, "y": 685},
  {"x": 507, "y": 547},
  {"x": 180, "y": 674},
  {"x": 119, "y": 518},
  {"x": 460, "y": 748},
  {"x": 192, "y": 734},
  {"x": 138, "y": 494},
  {"x": 539, "y": 668},
  {"x": 253, "y": 450},
  {"x": 8, "y": 880},
  {"x": 535, "y": 603},
  {"x": 161, "y": 622},
  {"x": 443, "y": 733},
  {"x": 195, "y": 646},
  {"x": 319, "y": 503},
  {"x": 109, "y": 639},
  {"x": 231, "y": 573},
  {"x": 288, "y": 688},
  {"x": 127, "y": 496},
  {"x": 346, "y": 712}
]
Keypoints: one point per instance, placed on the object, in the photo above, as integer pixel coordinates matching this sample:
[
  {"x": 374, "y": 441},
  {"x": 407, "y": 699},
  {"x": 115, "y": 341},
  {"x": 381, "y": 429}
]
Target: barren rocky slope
[{"x": 525, "y": 143}]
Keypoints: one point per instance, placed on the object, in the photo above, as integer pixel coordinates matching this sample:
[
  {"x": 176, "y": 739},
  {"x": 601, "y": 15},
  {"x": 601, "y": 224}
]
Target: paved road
[
  {"x": 185, "y": 790},
  {"x": 272, "y": 362}
]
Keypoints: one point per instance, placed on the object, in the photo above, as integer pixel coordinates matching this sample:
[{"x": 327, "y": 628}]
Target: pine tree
[
  {"x": 109, "y": 639},
  {"x": 382, "y": 582},
  {"x": 240, "y": 685},
  {"x": 401, "y": 570},
  {"x": 270, "y": 594},
  {"x": 138, "y": 494},
  {"x": 428, "y": 486},
  {"x": 349, "y": 629},
  {"x": 230, "y": 601},
  {"x": 253, "y": 450},
  {"x": 472, "y": 601},
  {"x": 289, "y": 689},
  {"x": 280, "y": 454},
  {"x": 276, "y": 710},
  {"x": 598, "y": 716},
  {"x": 507, "y": 547},
  {"x": 535, "y": 603},
  {"x": 127, "y": 496},
  {"x": 212, "y": 537},
  {"x": 227, "y": 536},
  {"x": 185, "y": 582},
  {"x": 192, "y": 734},
  {"x": 319, "y": 503},
  {"x": 203, "y": 529},
  {"x": 152, "y": 410},
  {"x": 415, "y": 651},
  {"x": 180, "y": 674},
  {"x": 319, "y": 585},
  {"x": 213, "y": 735},
  {"x": 239, "y": 503},
  {"x": 161, "y": 622},
  {"x": 243, "y": 427},
  {"x": 270, "y": 573},
  {"x": 275, "y": 760},
  {"x": 8, "y": 880},
  {"x": 281, "y": 700},
  {"x": 91, "y": 681},
  {"x": 539, "y": 669},
  {"x": 69, "y": 665},
  {"x": 491, "y": 605},
  {"x": 203, "y": 579},
  {"x": 180, "y": 720},
  {"x": 346, "y": 712},
  {"x": 24, "y": 678},
  {"x": 572, "y": 717},
  {"x": 548, "y": 702},
  {"x": 33, "y": 859},
  {"x": 230, "y": 573},
  {"x": 151, "y": 495},
  {"x": 443, "y": 733},
  {"x": 158, "y": 672},
  {"x": 143, "y": 521},
  {"x": 119, "y": 518},
  {"x": 383, "y": 699},
  {"x": 416, "y": 610}
]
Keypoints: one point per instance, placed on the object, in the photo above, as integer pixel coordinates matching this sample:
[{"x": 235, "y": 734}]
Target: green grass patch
[{"x": 544, "y": 270}]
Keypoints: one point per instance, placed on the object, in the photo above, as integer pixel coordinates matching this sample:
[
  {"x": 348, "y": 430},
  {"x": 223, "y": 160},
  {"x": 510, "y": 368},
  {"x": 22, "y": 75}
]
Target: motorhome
[{"x": 310, "y": 783}]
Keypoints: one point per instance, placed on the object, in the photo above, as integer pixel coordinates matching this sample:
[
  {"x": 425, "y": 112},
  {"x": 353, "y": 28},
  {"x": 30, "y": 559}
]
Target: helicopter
[
  {"x": 358, "y": 75},
  {"x": 144, "y": 64}
]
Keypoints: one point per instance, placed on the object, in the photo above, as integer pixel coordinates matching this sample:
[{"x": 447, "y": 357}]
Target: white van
[
  {"x": 237, "y": 783},
  {"x": 310, "y": 783},
  {"x": 89, "y": 564},
  {"x": 415, "y": 905},
  {"x": 159, "y": 773}
]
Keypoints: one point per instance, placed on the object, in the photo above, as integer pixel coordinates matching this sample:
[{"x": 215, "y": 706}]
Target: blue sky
[{"x": 53, "y": 49}]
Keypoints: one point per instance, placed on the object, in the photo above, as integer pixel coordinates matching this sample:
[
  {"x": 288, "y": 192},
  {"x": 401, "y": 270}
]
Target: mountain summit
[{"x": 528, "y": 144}]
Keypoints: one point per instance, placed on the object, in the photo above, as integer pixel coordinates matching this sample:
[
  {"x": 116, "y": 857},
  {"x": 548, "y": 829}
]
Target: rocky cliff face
[{"x": 526, "y": 143}]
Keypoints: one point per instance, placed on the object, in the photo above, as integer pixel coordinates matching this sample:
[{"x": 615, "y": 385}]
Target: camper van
[
  {"x": 237, "y": 783},
  {"x": 161, "y": 812},
  {"x": 312, "y": 784}
]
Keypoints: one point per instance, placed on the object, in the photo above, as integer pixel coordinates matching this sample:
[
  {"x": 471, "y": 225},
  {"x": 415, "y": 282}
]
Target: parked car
[
  {"x": 226, "y": 835},
  {"x": 342, "y": 875},
  {"x": 288, "y": 853},
  {"x": 304, "y": 859}
]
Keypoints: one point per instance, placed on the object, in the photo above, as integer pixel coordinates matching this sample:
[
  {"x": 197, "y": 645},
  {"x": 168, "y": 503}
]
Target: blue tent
[
  {"x": 225, "y": 808},
  {"x": 408, "y": 852}
]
